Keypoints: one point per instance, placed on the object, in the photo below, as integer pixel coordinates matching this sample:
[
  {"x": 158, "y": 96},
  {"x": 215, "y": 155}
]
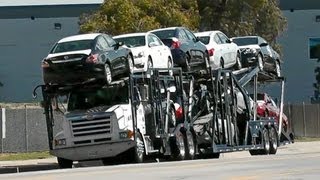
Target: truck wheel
[
  {"x": 254, "y": 152},
  {"x": 64, "y": 163},
  {"x": 266, "y": 141},
  {"x": 139, "y": 152},
  {"x": 190, "y": 146},
  {"x": 180, "y": 149},
  {"x": 273, "y": 141}
]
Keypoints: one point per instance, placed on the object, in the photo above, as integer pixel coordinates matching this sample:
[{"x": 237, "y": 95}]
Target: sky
[{"x": 45, "y": 2}]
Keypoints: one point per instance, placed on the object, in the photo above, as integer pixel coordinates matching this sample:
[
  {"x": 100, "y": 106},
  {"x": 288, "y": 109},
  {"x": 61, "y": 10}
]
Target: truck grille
[{"x": 86, "y": 127}]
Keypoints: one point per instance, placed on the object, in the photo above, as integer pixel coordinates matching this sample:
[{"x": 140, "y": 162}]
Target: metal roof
[{"x": 46, "y": 2}]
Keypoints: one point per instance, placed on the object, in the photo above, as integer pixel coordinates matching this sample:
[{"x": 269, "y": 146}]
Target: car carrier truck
[{"x": 162, "y": 113}]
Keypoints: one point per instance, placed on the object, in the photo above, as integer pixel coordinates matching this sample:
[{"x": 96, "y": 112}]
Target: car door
[
  {"x": 154, "y": 50},
  {"x": 218, "y": 47},
  {"x": 117, "y": 56},
  {"x": 164, "y": 52},
  {"x": 197, "y": 47},
  {"x": 266, "y": 50},
  {"x": 226, "y": 49}
]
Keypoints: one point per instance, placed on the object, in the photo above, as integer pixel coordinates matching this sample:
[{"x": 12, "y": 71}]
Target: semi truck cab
[{"x": 97, "y": 124}]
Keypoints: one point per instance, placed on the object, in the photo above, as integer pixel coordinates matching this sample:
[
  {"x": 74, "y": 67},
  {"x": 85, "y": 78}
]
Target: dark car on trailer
[
  {"x": 86, "y": 58},
  {"x": 256, "y": 51},
  {"x": 187, "y": 51}
]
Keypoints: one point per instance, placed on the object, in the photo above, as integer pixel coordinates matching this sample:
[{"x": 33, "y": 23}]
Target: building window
[{"x": 314, "y": 48}]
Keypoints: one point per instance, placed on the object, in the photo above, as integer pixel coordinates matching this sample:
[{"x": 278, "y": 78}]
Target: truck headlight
[
  {"x": 126, "y": 134},
  {"x": 60, "y": 142}
]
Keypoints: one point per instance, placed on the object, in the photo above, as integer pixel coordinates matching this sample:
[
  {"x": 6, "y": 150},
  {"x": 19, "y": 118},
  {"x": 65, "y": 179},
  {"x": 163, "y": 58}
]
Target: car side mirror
[
  {"x": 263, "y": 44},
  {"x": 119, "y": 44},
  {"x": 228, "y": 41},
  {"x": 152, "y": 44}
]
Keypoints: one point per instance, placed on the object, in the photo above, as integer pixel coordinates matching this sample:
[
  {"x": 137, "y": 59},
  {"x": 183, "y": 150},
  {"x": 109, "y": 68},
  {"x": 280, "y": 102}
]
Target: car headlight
[{"x": 250, "y": 51}]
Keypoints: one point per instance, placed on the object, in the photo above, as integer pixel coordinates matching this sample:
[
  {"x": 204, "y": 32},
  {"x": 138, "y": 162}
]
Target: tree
[
  {"x": 243, "y": 17},
  {"x": 126, "y": 16}
]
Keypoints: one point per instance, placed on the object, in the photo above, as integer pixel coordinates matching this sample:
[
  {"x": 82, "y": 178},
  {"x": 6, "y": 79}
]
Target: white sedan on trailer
[
  {"x": 148, "y": 50},
  {"x": 223, "y": 53}
]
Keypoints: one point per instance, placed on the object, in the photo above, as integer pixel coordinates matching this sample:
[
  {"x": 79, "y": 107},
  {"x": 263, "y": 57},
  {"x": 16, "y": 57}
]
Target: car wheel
[
  {"x": 238, "y": 62},
  {"x": 170, "y": 66},
  {"x": 107, "y": 73},
  {"x": 273, "y": 141},
  {"x": 180, "y": 150},
  {"x": 278, "y": 70},
  {"x": 64, "y": 163},
  {"x": 260, "y": 62},
  {"x": 187, "y": 61},
  {"x": 222, "y": 63},
  {"x": 173, "y": 120},
  {"x": 190, "y": 146},
  {"x": 149, "y": 63},
  {"x": 139, "y": 152},
  {"x": 130, "y": 63}
]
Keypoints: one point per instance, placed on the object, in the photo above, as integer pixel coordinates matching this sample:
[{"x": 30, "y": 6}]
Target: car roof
[
  {"x": 206, "y": 33},
  {"x": 130, "y": 35},
  {"x": 245, "y": 37},
  {"x": 79, "y": 37},
  {"x": 168, "y": 28}
]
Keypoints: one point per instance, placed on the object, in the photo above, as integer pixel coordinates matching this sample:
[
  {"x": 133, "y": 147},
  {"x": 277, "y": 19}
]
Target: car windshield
[
  {"x": 204, "y": 39},
  {"x": 245, "y": 41},
  {"x": 164, "y": 34},
  {"x": 83, "y": 100},
  {"x": 72, "y": 46},
  {"x": 133, "y": 41}
]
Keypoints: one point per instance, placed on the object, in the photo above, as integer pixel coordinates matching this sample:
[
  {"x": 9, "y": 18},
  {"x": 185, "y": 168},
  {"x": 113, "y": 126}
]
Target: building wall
[
  {"x": 298, "y": 68},
  {"x": 23, "y": 44}
]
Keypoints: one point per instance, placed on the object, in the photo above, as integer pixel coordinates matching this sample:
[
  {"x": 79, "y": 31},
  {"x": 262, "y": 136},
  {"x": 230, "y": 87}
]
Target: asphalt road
[{"x": 296, "y": 161}]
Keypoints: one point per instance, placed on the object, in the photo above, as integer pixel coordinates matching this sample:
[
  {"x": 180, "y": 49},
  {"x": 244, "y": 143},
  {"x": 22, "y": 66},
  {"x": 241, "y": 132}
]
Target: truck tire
[
  {"x": 190, "y": 146},
  {"x": 64, "y": 163},
  {"x": 266, "y": 141},
  {"x": 273, "y": 141},
  {"x": 179, "y": 150}
]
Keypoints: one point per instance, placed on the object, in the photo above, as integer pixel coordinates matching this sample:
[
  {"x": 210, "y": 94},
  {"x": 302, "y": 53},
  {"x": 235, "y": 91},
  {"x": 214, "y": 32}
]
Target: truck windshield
[{"x": 86, "y": 99}]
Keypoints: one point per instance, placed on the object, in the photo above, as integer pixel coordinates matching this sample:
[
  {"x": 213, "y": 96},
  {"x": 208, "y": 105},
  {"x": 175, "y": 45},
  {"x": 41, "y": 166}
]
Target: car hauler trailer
[{"x": 166, "y": 113}]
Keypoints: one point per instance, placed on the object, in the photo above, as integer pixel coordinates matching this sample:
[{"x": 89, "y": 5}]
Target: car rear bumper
[
  {"x": 92, "y": 152},
  {"x": 72, "y": 75}
]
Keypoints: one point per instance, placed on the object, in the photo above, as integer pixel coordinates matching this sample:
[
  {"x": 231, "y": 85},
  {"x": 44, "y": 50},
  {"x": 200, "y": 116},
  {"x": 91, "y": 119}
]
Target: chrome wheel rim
[
  {"x": 278, "y": 69},
  {"x": 191, "y": 145},
  {"x": 180, "y": 144},
  {"x": 130, "y": 61},
  {"x": 260, "y": 62},
  {"x": 108, "y": 73}
]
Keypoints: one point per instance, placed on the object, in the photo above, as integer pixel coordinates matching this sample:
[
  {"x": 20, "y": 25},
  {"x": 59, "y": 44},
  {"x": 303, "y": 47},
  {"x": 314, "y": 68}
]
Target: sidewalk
[{"x": 46, "y": 161}]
